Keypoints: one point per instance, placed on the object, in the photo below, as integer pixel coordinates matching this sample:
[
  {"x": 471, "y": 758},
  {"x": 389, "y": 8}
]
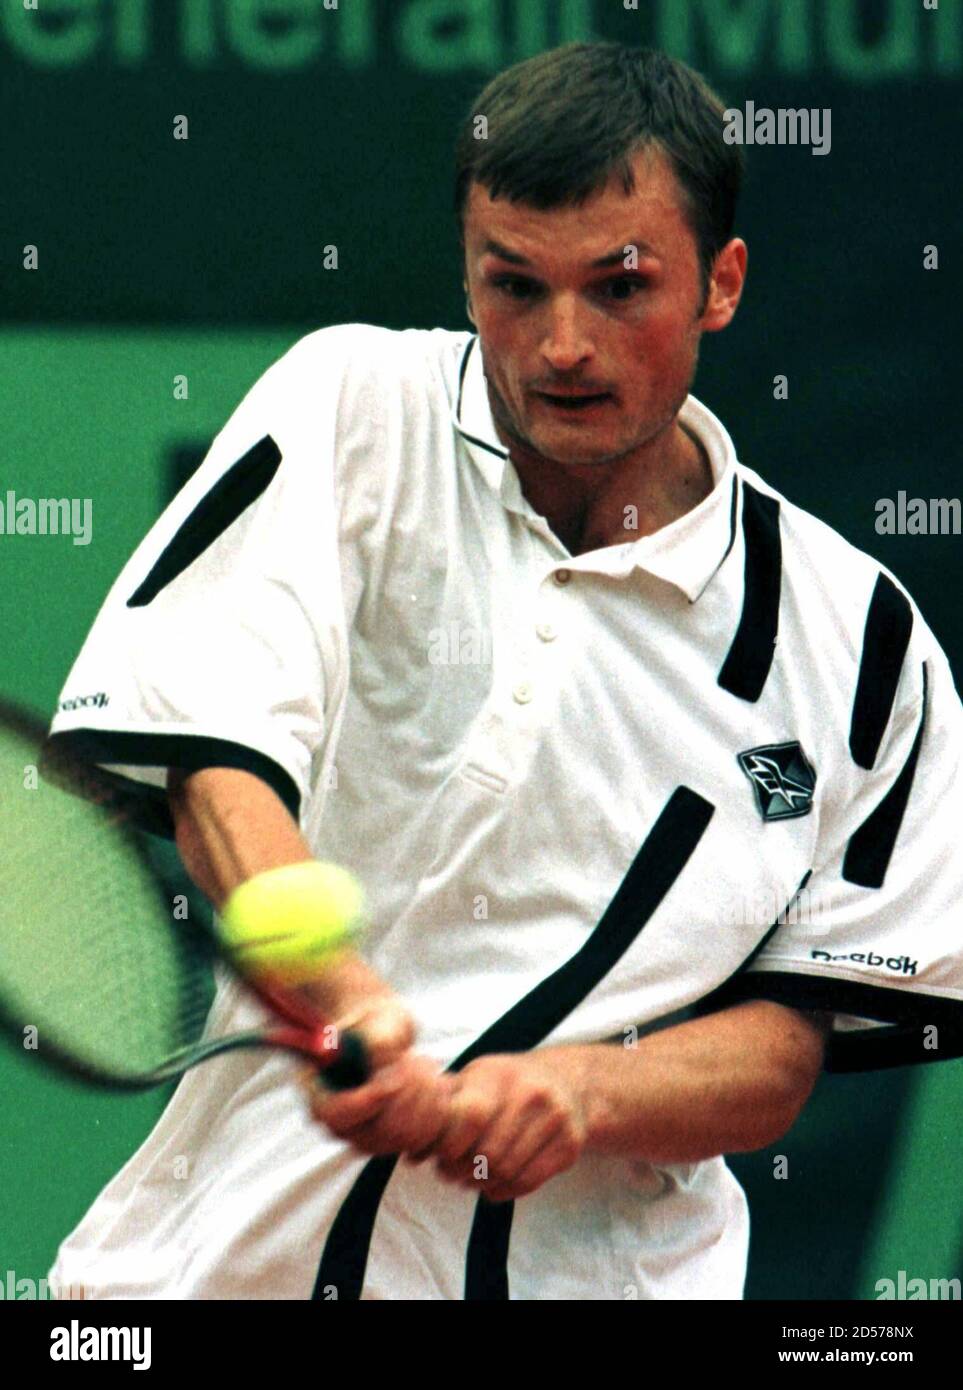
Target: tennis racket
[{"x": 97, "y": 975}]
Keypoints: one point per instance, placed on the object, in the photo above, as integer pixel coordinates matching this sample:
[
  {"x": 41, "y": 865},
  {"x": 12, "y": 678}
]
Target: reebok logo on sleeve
[
  {"x": 902, "y": 964},
  {"x": 82, "y": 701}
]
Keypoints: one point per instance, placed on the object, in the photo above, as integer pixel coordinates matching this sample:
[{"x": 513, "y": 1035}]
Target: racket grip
[{"x": 351, "y": 1068}]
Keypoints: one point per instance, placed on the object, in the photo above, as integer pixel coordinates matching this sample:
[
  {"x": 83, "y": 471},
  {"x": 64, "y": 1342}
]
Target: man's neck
[{"x": 618, "y": 502}]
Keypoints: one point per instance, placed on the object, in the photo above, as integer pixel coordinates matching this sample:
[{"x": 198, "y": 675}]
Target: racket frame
[{"x": 342, "y": 1065}]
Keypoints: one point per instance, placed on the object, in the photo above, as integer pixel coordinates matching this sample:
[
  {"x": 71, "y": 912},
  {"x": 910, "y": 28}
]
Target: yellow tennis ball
[{"x": 287, "y": 924}]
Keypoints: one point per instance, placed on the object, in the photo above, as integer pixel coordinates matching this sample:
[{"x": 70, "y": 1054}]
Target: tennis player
[{"x": 653, "y": 780}]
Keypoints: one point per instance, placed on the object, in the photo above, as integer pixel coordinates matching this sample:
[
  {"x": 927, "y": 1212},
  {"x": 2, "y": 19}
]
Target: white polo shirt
[{"x": 580, "y": 791}]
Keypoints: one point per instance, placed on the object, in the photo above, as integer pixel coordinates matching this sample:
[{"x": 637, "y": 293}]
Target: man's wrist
[
  {"x": 346, "y": 986},
  {"x": 586, "y": 1068}
]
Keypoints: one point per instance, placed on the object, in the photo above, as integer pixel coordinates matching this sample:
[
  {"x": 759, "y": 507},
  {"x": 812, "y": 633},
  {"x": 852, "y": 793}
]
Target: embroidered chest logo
[{"x": 782, "y": 777}]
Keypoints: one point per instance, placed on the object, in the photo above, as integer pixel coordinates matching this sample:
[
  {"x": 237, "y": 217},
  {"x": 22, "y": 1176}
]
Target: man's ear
[
  {"x": 725, "y": 287},
  {"x": 468, "y": 308}
]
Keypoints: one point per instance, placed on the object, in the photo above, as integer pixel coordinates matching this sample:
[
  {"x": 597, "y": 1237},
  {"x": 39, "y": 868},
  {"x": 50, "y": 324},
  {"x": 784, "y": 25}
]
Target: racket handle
[{"x": 351, "y": 1068}]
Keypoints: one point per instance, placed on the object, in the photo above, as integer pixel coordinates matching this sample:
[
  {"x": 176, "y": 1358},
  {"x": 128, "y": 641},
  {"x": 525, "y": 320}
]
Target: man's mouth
[{"x": 571, "y": 401}]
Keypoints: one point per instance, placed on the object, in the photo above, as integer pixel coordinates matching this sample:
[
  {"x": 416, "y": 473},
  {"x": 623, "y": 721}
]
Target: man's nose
[{"x": 565, "y": 343}]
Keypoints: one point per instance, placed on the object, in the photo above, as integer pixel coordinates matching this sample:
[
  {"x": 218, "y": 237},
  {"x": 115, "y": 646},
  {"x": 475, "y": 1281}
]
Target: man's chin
[
  {"x": 555, "y": 446},
  {"x": 561, "y": 443}
]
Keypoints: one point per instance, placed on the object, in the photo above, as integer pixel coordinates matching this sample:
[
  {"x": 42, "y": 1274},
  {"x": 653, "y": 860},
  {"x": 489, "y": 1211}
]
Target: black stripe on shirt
[
  {"x": 746, "y": 667},
  {"x": 462, "y": 369},
  {"x": 656, "y": 867},
  {"x": 909, "y": 1014},
  {"x": 233, "y": 493},
  {"x": 486, "y": 1263},
  {"x": 345, "y": 1256},
  {"x": 472, "y": 439},
  {"x": 905, "y": 1045},
  {"x": 733, "y": 514},
  {"x": 871, "y": 846},
  {"x": 659, "y": 862},
  {"x": 69, "y": 759},
  {"x": 889, "y": 623}
]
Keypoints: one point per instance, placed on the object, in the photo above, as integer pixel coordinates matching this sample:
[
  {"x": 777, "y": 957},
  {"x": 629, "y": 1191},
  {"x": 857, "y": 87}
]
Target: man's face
[{"x": 554, "y": 322}]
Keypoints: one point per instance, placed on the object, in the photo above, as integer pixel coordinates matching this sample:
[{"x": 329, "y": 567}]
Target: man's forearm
[
  {"x": 229, "y": 826},
  {"x": 728, "y": 1083}
]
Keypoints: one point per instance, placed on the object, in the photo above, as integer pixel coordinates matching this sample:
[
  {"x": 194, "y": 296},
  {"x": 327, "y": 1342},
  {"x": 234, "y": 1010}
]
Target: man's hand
[
  {"x": 514, "y": 1122},
  {"x": 349, "y": 995},
  {"x": 404, "y": 1107},
  {"x": 729, "y": 1082},
  {"x": 501, "y": 1128}
]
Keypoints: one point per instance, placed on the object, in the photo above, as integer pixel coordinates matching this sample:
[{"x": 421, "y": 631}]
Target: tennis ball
[{"x": 287, "y": 924}]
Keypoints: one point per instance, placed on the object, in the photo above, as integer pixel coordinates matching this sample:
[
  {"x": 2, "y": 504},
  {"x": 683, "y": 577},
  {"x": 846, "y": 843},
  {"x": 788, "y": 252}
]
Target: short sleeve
[
  {"x": 223, "y": 641},
  {"x": 875, "y": 935}
]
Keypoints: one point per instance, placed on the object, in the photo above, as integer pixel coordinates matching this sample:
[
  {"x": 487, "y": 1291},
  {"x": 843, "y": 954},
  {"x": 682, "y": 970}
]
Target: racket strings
[{"x": 91, "y": 955}]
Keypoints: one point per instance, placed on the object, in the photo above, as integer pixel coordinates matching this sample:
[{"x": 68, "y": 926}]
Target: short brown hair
[{"x": 561, "y": 123}]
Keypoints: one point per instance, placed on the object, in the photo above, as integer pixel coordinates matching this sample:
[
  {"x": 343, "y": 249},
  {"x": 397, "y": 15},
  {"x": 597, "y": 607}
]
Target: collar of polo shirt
[{"x": 687, "y": 553}]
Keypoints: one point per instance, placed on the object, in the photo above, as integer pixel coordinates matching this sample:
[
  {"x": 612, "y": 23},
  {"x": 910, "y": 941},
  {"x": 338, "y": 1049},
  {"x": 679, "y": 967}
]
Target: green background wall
[{"x": 312, "y": 127}]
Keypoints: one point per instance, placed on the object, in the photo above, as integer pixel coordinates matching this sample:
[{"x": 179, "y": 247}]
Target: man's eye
[
  {"x": 621, "y": 288},
  {"x": 624, "y": 287},
  {"x": 514, "y": 286}
]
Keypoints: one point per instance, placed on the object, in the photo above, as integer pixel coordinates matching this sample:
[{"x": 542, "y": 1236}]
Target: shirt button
[
  {"x": 546, "y": 632},
  {"x": 562, "y": 576},
  {"x": 522, "y": 694}
]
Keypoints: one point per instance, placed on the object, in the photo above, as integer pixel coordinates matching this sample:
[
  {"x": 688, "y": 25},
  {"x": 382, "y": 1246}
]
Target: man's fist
[
  {"x": 514, "y": 1121},
  {"x": 500, "y": 1128},
  {"x": 402, "y": 1108}
]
